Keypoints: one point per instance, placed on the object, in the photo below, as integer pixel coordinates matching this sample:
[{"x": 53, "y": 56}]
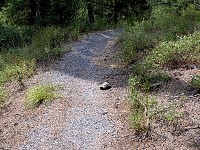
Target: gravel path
[{"x": 85, "y": 117}]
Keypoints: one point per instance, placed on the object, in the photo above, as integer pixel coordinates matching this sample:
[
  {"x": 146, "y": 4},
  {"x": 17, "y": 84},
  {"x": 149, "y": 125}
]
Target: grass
[
  {"x": 3, "y": 95},
  {"x": 195, "y": 81},
  {"x": 145, "y": 110},
  {"x": 165, "y": 41},
  {"x": 39, "y": 94}
]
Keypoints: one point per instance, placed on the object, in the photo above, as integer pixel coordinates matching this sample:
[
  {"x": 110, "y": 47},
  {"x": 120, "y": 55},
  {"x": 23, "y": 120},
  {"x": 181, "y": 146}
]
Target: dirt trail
[{"x": 85, "y": 117}]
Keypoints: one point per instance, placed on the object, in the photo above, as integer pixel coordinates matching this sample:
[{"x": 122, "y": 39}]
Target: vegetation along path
[{"x": 83, "y": 117}]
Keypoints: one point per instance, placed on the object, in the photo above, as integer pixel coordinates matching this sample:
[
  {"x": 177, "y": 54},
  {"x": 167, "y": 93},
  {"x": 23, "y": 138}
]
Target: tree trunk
[
  {"x": 33, "y": 11},
  {"x": 116, "y": 10},
  {"x": 90, "y": 11}
]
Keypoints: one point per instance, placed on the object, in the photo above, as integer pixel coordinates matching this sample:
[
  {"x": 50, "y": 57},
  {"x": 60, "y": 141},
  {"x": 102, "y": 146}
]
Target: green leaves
[{"x": 196, "y": 81}]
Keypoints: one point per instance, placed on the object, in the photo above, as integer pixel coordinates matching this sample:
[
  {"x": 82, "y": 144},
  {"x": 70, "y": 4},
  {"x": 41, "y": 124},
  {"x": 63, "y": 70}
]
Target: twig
[{"x": 191, "y": 128}]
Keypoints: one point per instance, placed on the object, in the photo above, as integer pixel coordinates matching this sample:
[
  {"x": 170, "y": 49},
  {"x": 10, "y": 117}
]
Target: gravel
[{"x": 84, "y": 117}]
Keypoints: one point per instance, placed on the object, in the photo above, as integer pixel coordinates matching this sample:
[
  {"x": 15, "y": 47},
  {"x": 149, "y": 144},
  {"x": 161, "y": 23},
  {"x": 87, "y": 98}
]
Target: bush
[
  {"x": 27, "y": 33},
  {"x": 183, "y": 51},
  {"x": 9, "y": 37},
  {"x": 48, "y": 42},
  {"x": 165, "y": 24},
  {"x": 39, "y": 94},
  {"x": 12, "y": 36}
]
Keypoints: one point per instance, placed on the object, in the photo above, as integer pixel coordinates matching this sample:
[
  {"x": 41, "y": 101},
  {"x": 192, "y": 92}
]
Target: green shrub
[
  {"x": 47, "y": 43},
  {"x": 39, "y": 94},
  {"x": 9, "y": 37},
  {"x": 12, "y": 36},
  {"x": 12, "y": 65},
  {"x": 8, "y": 73},
  {"x": 27, "y": 33},
  {"x": 183, "y": 51},
  {"x": 196, "y": 81},
  {"x": 165, "y": 24}
]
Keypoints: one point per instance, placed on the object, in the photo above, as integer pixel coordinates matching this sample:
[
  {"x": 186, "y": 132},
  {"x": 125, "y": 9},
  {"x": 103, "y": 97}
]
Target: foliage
[
  {"x": 48, "y": 43},
  {"x": 25, "y": 68},
  {"x": 12, "y": 36},
  {"x": 145, "y": 109},
  {"x": 196, "y": 81},
  {"x": 168, "y": 38},
  {"x": 184, "y": 50},
  {"x": 39, "y": 94},
  {"x": 165, "y": 24},
  {"x": 9, "y": 37},
  {"x": 17, "y": 11}
]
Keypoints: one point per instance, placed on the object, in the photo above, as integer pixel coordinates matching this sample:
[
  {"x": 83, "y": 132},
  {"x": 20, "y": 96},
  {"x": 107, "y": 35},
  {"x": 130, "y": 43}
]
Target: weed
[
  {"x": 196, "y": 81},
  {"x": 39, "y": 94},
  {"x": 3, "y": 95},
  {"x": 47, "y": 43},
  {"x": 145, "y": 110}
]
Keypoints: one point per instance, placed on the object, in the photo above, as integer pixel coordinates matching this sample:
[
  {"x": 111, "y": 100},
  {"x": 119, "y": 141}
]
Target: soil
[{"x": 84, "y": 117}]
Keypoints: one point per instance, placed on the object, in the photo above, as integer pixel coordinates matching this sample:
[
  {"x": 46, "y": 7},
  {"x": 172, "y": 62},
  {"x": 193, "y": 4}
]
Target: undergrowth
[
  {"x": 195, "y": 81},
  {"x": 167, "y": 40},
  {"x": 146, "y": 110},
  {"x": 39, "y": 94},
  {"x": 165, "y": 24}
]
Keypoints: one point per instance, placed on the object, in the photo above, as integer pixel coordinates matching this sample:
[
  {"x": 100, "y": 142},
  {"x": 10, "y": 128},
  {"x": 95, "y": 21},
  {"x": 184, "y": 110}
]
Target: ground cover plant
[
  {"x": 168, "y": 39},
  {"x": 39, "y": 94}
]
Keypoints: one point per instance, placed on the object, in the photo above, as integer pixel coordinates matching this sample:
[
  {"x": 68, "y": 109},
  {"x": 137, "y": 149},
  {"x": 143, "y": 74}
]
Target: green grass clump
[
  {"x": 48, "y": 42},
  {"x": 196, "y": 81},
  {"x": 3, "y": 95},
  {"x": 39, "y": 94}
]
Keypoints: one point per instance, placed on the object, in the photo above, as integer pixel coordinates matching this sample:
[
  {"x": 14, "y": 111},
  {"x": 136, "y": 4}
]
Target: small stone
[
  {"x": 192, "y": 66},
  {"x": 104, "y": 113},
  {"x": 105, "y": 86},
  {"x": 177, "y": 74},
  {"x": 15, "y": 124}
]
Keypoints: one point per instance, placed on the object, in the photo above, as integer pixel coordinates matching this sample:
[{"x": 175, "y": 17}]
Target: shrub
[
  {"x": 183, "y": 51},
  {"x": 47, "y": 43},
  {"x": 39, "y": 94},
  {"x": 9, "y": 37},
  {"x": 11, "y": 67},
  {"x": 165, "y": 24},
  {"x": 12, "y": 36},
  {"x": 27, "y": 33}
]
